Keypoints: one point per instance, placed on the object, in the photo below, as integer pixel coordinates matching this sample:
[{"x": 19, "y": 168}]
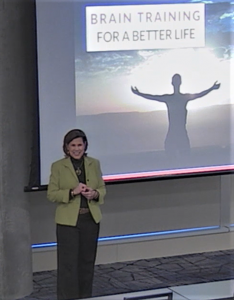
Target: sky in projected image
[{"x": 130, "y": 133}]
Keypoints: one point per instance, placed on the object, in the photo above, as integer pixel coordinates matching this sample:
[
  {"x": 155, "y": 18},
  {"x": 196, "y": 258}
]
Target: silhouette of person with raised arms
[{"x": 177, "y": 142}]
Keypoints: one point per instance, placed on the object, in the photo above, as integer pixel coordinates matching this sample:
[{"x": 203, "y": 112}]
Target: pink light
[{"x": 168, "y": 172}]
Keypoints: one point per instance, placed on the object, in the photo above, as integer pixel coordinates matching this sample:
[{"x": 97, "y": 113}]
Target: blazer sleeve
[
  {"x": 54, "y": 193},
  {"x": 101, "y": 185}
]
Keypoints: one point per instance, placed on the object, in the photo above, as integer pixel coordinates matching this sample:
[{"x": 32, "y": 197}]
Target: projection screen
[{"x": 149, "y": 83}]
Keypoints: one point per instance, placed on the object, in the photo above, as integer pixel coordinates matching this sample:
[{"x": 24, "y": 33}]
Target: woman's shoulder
[
  {"x": 91, "y": 159},
  {"x": 60, "y": 161}
]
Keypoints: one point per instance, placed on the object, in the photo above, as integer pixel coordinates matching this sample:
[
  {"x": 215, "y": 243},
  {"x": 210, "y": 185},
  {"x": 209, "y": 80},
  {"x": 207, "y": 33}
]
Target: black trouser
[{"x": 76, "y": 251}]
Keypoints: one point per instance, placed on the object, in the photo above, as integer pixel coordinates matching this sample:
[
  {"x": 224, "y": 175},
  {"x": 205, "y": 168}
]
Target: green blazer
[{"x": 63, "y": 178}]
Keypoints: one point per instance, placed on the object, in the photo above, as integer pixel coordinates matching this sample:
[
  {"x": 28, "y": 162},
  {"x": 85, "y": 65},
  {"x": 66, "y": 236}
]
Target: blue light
[
  {"x": 137, "y": 235},
  {"x": 46, "y": 245},
  {"x": 158, "y": 233}
]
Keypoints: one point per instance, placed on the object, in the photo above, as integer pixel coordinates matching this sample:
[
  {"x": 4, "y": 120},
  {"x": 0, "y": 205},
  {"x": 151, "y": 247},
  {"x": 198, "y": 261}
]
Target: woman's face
[{"x": 76, "y": 148}]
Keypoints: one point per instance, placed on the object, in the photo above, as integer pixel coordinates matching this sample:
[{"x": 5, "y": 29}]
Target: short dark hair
[{"x": 71, "y": 135}]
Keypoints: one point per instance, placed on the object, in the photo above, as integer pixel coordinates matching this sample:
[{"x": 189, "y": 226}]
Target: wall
[
  {"x": 17, "y": 95},
  {"x": 149, "y": 207}
]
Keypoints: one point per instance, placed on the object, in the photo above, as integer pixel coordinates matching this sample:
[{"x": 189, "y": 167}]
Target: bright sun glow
[{"x": 199, "y": 70}]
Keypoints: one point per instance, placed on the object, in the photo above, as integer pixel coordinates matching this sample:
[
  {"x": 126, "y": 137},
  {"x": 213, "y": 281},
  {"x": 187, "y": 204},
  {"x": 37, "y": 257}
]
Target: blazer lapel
[
  {"x": 87, "y": 163},
  {"x": 68, "y": 164}
]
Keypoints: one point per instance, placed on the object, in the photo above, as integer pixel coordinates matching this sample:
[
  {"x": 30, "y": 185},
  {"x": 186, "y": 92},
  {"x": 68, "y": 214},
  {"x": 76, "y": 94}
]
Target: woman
[{"x": 77, "y": 186}]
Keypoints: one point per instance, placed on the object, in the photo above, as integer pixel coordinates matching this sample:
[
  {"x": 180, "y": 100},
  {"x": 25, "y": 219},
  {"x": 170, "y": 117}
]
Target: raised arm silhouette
[{"x": 177, "y": 140}]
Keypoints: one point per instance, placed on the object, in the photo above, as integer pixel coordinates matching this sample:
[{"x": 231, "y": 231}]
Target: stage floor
[{"x": 202, "y": 276}]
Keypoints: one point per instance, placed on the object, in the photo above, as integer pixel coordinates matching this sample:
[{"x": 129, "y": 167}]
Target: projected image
[
  {"x": 162, "y": 109},
  {"x": 177, "y": 142}
]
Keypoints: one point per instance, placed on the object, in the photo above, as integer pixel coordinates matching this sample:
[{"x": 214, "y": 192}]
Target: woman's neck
[{"x": 76, "y": 159}]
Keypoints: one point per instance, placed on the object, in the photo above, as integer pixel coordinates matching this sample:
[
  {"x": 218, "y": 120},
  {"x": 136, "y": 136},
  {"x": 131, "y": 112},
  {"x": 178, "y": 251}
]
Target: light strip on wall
[
  {"x": 136, "y": 235},
  {"x": 169, "y": 172},
  {"x": 158, "y": 233}
]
